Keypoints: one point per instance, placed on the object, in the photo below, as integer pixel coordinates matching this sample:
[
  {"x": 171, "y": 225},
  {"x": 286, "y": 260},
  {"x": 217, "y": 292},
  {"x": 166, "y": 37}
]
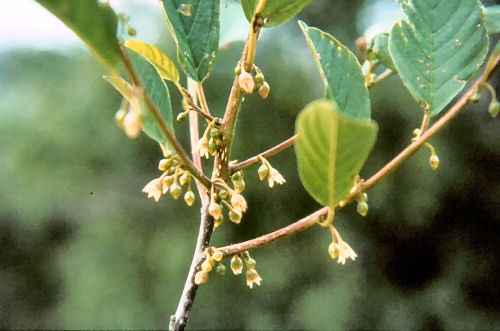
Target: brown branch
[
  {"x": 312, "y": 219},
  {"x": 186, "y": 161},
  {"x": 271, "y": 151}
]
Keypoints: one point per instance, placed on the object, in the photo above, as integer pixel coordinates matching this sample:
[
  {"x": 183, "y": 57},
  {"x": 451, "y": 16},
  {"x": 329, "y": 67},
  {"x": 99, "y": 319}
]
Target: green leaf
[
  {"x": 378, "y": 49},
  {"x": 156, "y": 57},
  {"x": 331, "y": 150},
  {"x": 492, "y": 15},
  {"x": 275, "y": 11},
  {"x": 155, "y": 86},
  {"x": 341, "y": 73},
  {"x": 94, "y": 22},
  {"x": 438, "y": 48},
  {"x": 194, "y": 24}
]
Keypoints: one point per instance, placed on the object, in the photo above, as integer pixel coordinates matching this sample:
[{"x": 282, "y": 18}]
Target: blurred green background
[{"x": 82, "y": 247}]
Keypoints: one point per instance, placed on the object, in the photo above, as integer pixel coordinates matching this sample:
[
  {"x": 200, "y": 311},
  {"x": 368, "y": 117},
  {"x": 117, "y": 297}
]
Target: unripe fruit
[
  {"x": 263, "y": 171},
  {"x": 175, "y": 190},
  {"x": 189, "y": 198},
  {"x": 434, "y": 161},
  {"x": 362, "y": 208}
]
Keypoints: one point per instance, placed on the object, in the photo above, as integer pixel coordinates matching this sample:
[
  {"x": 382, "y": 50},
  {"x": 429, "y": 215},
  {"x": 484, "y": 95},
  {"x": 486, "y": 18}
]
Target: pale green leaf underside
[
  {"x": 275, "y": 11},
  {"x": 378, "y": 49},
  {"x": 340, "y": 71},
  {"x": 439, "y": 48},
  {"x": 194, "y": 25},
  {"x": 95, "y": 23},
  {"x": 155, "y": 86},
  {"x": 331, "y": 150},
  {"x": 492, "y": 14}
]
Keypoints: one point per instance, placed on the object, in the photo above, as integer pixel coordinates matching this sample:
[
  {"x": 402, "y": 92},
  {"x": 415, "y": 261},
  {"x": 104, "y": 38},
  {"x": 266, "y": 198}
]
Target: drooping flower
[
  {"x": 202, "y": 147},
  {"x": 154, "y": 188},
  {"x": 253, "y": 277},
  {"x": 246, "y": 82},
  {"x": 275, "y": 177},
  {"x": 238, "y": 202},
  {"x": 214, "y": 209},
  {"x": 339, "y": 249}
]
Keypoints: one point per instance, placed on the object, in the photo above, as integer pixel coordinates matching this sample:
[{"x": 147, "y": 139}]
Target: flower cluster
[
  {"x": 222, "y": 195},
  {"x": 212, "y": 258},
  {"x": 211, "y": 140},
  {"x": 273, "y": 175},
  {"x": 252, "y": 81},
  {"x": 251, "y": 274},
  {"x": 173, "y": 178}
]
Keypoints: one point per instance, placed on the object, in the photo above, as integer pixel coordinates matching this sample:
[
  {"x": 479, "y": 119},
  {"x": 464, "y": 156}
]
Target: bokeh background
[{"x": 82, "y": 247}]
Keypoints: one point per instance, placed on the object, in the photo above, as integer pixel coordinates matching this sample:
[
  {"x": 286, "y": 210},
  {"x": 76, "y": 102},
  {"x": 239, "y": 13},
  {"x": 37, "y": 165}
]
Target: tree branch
[
  {"x": 271, "y": 151},
  {"x": 311, "y": 219}
]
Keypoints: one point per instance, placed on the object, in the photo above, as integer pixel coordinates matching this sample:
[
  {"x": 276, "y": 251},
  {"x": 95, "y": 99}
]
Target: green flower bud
[
  {"x": 259, "y": 78},
  {"x": 235, "y": 216},
  {"x": 215, "y": 133},
  {"x": 237, "y": 70},
  {"x": 475, "y": 97},
  {"x": 217, "y": 255},
  {"x": 237, "y": 176},
  {"x": 175, "y": 190},
  {"x": 263, "y": 171},
  {"x": 221, "y": 269},
  {"x": 181, "y": 116},
  {"x": 362, "y": 208},
  {"x": 189, "y": 198},
  {"x": 333, "y": 250},
  {"x": 236, "y": 265},
  {"x": 239, "y": 186},
  {"x": 222, "y": 194},
  {"x": 131, "y": 31},
  {"x": 251, "y": 263},
  {"x": 434, "y": 161},
  {"x": 494, "y": 108}
]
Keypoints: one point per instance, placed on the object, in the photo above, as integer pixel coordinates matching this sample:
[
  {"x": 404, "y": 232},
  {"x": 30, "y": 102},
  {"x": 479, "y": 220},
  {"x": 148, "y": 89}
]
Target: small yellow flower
[
  {"x": 238, "y": 202},
  {"x": 253, "y": 277},
  {"x": 275, "y": 177},
  {"x": 154, "y": 188}
]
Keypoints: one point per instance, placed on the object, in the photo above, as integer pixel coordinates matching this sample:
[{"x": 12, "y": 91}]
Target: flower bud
[
  {"x": 212, "y": 146},
  {"x": 215, "y": 133},
  {"x": 183, "y": 179},
  {"x": 214, "y": 210},
  {"x": 246, "y": 82},
  {"x": 221, "y": 269},
  {"x": 263, "y": 171},
  {"x": 239, "y": 186},
  {"x": 236, "y": 265},
  {"x": 164, "y": 164},
  {"x": 132, "y": 124},
  {"x": 251, "y": 263},
  {"x": 494, "y": 108},
  {"x": 434, "y": 161},
  {"x": 131, "y": 31},
  {"x": 189, "y": 198},
  {"x": 222, "y": 194},
  {"x": 120, "y": 115},
  {"x": 365, "y": 197},
  {"x": 475, "y": 97},
  {"x": 235, "y": 216},
  {"x": 181, "y": 116},
  {"x": 362, "y": 208},
  {"x": 259, "y": 78},
  {"x": 206, "y": 266},
  {"x": 218, "y": 221},
  {"x": 200, "y": 277},
  {"x": 175, "y": 190},
  {"x": 237, "y": 70},
  {"x": 237, "y": 176},
  {"x": 217, "y": 255},
  {"x": 333, "y": 250},
  {"x": 264, "y": 90}
]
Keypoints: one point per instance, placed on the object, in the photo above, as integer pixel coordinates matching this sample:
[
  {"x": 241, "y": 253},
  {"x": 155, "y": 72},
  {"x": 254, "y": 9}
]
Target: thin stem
[
  {"x": 271, "y": 151},
  {"x": 188, "y": 164},
  {"x": 197, "y": 109},
  {"x": 201, "y": 96},
  {"x": 381, "y": 77},
  {"x": 425, "y": 123},
  {"x": 312, "y": 219}
]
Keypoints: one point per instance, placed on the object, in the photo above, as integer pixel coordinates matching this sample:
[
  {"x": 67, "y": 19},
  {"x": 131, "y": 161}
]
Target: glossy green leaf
[
  {"x": 331, "y": 150},
  {"x": 163, "y": 64},
  {"x": 155, "y": 86},
  {"x": 378, "y": 49},
  {"x": 438, "y": 48},
  {"x": 341, "y": 73},
  {"x": 492, "y": 15},
  {"x": 194, "y": 24},
  {"x": 275, "y": 11},
  {"x": 94, "y": 22}
]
